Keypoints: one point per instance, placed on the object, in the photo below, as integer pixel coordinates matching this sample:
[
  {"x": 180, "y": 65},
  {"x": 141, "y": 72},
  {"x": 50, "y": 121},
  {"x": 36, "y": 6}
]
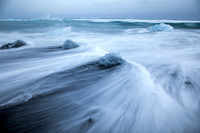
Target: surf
[{"x": 117, "y": 77}]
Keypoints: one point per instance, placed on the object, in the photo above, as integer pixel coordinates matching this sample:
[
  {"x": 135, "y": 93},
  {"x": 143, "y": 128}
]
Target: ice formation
[
  {"x": 160, "y": 27},
  {"x": 111, "y": 59}
]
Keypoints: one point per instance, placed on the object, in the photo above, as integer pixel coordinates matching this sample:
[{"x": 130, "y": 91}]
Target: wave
[
  {"x": 179, "y": 24},
  {"x": 25, "y": 24},
  {"x": 137, "y": 20},
  {"x": 81, "y": 95},
  {"x": 179, "y": 83},
  {"x": 153, "y": 86},
  {"x": 60, "y": 31},
  {"x": 89, "y": 98},
  {"x": 15, "y": 64}
]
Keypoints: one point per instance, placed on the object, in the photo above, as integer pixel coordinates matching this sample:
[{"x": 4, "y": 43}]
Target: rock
[
  {"x": 16, "y": 44},
  {"x": 90, "y": 120},
  {"x": 188, "y": 83},
  {"x": 68, "y": 44},
  {"x": 111, "y": 59}
]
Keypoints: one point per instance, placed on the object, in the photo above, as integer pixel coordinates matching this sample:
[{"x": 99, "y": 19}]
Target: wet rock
[
  {"x": 68, "y": 44},
  {"x": 188, "y": 83},
  {"x": 16, "y": 44},
  {"x": 90, "y": 120}
]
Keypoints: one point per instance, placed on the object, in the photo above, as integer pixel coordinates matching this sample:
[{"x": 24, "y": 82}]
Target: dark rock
[
  {"x": 188, "y": 83},
  {"x": 68, "y": 44},
  {"x": 90, "y": 120},
  {"x": 16, "y": 44}
]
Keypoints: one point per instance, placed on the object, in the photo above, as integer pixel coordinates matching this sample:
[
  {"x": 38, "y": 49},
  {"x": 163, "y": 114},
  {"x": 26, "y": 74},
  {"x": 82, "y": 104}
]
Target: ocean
[{"x": 123, "y": 76}]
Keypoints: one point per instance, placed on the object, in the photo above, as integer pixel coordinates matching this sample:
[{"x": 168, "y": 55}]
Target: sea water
[{"x": 125, "y": 76}]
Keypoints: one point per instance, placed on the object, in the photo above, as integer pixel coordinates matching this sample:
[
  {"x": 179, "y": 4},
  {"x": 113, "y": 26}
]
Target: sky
[{"x": 136, "y": 9}]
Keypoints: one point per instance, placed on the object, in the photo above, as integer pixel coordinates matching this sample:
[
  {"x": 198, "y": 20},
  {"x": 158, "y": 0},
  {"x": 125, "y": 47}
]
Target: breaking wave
[{"x": 36, "y": 25}]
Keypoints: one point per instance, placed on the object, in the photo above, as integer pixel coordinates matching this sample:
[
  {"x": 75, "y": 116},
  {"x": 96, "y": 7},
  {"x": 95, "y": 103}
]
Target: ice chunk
[
  {"x": 16, "y": 44},
  {"x": 68, "y": 44},
  {"x": 160, "y": 27},
  {"x": 111, "y": 59}
]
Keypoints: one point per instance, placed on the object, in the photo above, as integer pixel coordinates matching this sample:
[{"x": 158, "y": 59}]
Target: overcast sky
[{"x": 138, "y": 9}]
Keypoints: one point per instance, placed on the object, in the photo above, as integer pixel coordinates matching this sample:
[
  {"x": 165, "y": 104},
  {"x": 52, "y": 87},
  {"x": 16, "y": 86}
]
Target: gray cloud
[{"x": 144, "y": 9}]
